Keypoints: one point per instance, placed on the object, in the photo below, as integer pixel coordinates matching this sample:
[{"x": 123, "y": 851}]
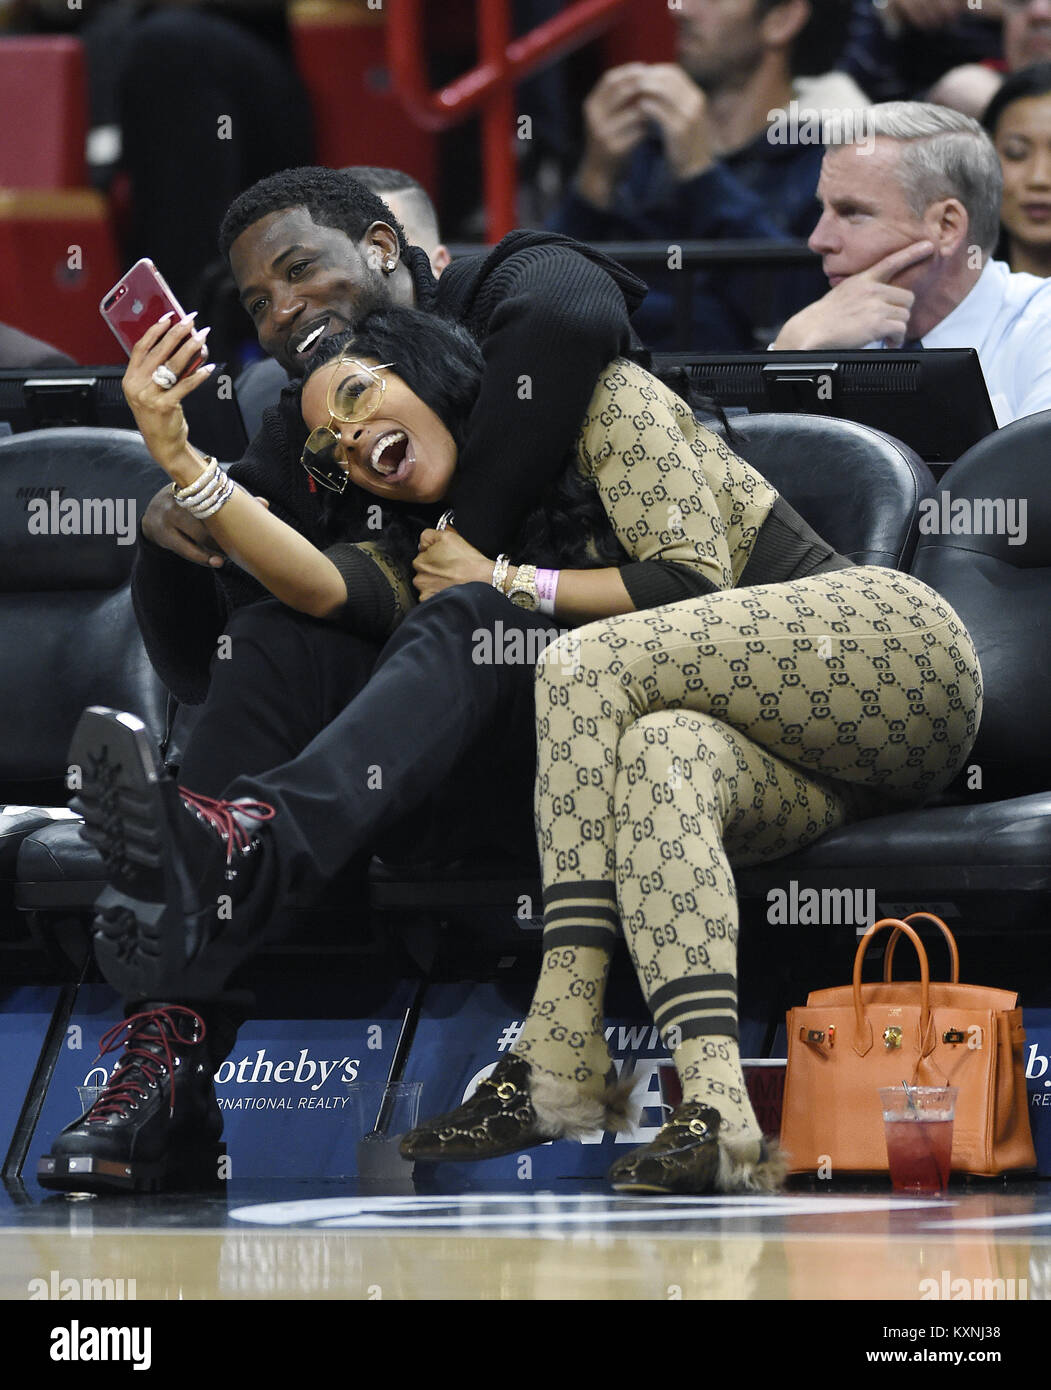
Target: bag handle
[
  {"x": 954, "y": 953},
  {"x": 862, "y": 1027}
]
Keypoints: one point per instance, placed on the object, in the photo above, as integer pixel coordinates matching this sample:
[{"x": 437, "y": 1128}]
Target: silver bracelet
[
  {"x": 209, "y": 507},
  {"x": 200, "y": 484},
  {"x": 503, "y": 564}
]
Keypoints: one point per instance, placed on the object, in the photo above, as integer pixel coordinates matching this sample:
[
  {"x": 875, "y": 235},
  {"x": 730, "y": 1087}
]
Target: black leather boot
[
  {"x": 178, "y": 864},
  {"x": 156, "y": 1124}
]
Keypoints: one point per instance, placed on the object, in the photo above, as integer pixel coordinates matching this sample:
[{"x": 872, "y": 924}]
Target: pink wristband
[{"x": 546, "y": 587}]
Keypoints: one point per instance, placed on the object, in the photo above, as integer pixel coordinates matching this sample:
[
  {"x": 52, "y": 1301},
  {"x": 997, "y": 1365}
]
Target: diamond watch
[{"x": 523, "y": 591}]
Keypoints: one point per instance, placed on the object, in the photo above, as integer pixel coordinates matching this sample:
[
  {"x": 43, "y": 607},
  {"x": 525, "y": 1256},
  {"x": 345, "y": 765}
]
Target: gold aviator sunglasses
[{"x": 351, "y": 398}]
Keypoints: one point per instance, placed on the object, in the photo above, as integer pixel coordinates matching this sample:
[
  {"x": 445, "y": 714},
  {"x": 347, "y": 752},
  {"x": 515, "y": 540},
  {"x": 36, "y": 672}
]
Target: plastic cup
[
  {"x": 88, "y": 1096},
  {"x": 380, "y": 1115},
  {"x": 918, "y": 1127}
]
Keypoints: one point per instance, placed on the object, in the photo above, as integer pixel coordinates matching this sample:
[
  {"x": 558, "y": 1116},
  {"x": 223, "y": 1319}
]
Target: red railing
[{"x": 503, "y": 61}]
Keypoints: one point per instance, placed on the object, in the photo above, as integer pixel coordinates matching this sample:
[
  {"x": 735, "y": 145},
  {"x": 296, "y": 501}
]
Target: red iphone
[{"x": 136, "y": 302}]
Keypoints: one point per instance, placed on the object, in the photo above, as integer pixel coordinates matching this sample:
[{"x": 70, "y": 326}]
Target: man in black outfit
[{"x": 312, "y": 252}]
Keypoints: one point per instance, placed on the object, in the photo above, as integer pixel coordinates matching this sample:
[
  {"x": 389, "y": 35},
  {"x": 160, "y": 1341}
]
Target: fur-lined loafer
[
  {"x": 688, "y": 1158},
  {"x": 515, "y": 1108}
]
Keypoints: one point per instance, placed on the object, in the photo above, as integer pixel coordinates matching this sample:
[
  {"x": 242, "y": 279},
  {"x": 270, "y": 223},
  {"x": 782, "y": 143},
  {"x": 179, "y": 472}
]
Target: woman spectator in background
[{"x": 1018, "y": 120}]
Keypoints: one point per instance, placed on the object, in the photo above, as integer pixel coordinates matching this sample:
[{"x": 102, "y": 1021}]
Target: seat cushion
[
  {"x": 993, "y": 850},
  {"x": 16, "y": 822},
  {"x": 988, "y": 847},
  {"x": 475, "y": 883},
  {"x": 57, "y": 868}
]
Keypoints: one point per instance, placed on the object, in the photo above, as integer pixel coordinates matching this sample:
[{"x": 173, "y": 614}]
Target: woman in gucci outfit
[{"x": 798, "y": 692}]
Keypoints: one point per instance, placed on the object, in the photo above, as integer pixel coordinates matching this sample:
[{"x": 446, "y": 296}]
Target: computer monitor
[
  {"x": 935, "y": 400},
  {"x": 57, "y": 396}
]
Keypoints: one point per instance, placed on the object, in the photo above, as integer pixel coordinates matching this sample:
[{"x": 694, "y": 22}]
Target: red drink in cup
[{"x": 918, "y": 1126}]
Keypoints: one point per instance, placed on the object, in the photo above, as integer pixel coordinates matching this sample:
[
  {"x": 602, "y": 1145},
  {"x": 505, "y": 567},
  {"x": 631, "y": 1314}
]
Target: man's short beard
[
  {"x": 375, "y": 296},
  {"x": 725, "y": 77}
]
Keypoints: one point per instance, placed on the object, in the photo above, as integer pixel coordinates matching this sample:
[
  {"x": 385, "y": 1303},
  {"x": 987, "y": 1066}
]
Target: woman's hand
[
  {"x": 158, "y": 412},
  {"x": 444, "y": 559}
]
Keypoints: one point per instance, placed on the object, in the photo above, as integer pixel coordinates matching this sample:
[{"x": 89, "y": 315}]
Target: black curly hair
[{"x": 332, "y": 198}]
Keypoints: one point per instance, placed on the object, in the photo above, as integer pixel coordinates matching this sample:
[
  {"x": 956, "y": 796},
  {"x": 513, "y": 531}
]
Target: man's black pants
[{"x": 422, "y": 751}]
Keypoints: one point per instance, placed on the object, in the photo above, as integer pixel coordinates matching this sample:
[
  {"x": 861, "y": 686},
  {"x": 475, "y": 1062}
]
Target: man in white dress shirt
[{"x": 910, "y": 215}]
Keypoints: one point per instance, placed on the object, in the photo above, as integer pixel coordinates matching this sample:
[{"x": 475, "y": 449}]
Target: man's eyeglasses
[{"x": 353, "y": 395}]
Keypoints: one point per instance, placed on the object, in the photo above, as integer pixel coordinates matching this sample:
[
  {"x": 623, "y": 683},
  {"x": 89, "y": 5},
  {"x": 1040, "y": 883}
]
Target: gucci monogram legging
[{"x": 727, "y": 730}]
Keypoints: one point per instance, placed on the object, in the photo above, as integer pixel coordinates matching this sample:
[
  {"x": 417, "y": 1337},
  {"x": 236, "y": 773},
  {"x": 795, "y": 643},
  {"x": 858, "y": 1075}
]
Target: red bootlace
[
  {"x": 121, "y": 1091},
  {"x": 222, "y": 816}
]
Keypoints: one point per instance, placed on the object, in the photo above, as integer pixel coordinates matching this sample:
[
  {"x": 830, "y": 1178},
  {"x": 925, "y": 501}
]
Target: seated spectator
[
  {"x": 968, "y": 88},
  {"x": 249, "y": 116},
  {"x": 261, "y": 384},
  {"x": 18, "y": 349},
  {"x": 411, "y": 205},
  {"x": 1025, "y": 39},
  {"x": 906, "y": 236},
  {"x": 685, "y": 150},
  {"x": 1018, "y": 120},
  {"x": 1026, "y": 33},
  {"x": 194, "y": 100},
  {"x": 898, "y": 49}
]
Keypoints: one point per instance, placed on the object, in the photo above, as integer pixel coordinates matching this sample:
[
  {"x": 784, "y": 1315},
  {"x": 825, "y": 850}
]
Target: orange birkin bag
[{"x": 849, "y": 1041}]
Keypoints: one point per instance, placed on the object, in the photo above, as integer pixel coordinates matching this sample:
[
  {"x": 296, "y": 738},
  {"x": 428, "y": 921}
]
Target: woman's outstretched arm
[{"x": 275, "y": 554}]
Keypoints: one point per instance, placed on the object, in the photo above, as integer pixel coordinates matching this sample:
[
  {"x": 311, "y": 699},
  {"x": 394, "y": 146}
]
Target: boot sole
[
  {"x": 129, "y": 803},
  {"x": 87, "y": 1173}
]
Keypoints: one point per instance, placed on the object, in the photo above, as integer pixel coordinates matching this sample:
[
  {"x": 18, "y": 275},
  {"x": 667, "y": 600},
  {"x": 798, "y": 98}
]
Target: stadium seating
[
  {"x": 57, "y": 251},
  {"x": 340, "y": 51},
  {"x": 69, "y": 502},
  {"x": 990, "y": 844},
  {"x": 859, "y": 487},
  {"x": 43, "y": 113},
  {"x": 985, "y": 852}
]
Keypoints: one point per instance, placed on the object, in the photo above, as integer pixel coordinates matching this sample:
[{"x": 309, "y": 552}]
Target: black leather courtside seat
[
  {"x": 988, "y": 855},
  {"x": 70, "y": 500},
  {"x": 858, "y": 488}
]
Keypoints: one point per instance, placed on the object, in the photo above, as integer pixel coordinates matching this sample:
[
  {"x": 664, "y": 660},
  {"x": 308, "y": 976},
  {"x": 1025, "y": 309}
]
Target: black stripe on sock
[
  {"x": 555, "y": 938},
  {"x": 575, "y": 911},
  {"x": 717, "y": 1027},
  {"x": 693, "y": 984},
  {"x": 686, "y": 1008},
  {"x": 600, "y": 888}
]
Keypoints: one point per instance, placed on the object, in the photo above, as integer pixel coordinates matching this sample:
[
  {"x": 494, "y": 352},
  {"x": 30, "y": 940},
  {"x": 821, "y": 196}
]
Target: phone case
[{"x": 136, "y": 302}]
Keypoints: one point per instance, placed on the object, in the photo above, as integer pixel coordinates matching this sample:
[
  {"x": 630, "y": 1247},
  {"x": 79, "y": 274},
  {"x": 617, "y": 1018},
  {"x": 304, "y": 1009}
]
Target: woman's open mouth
[{"x": 392, "y": 457}]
